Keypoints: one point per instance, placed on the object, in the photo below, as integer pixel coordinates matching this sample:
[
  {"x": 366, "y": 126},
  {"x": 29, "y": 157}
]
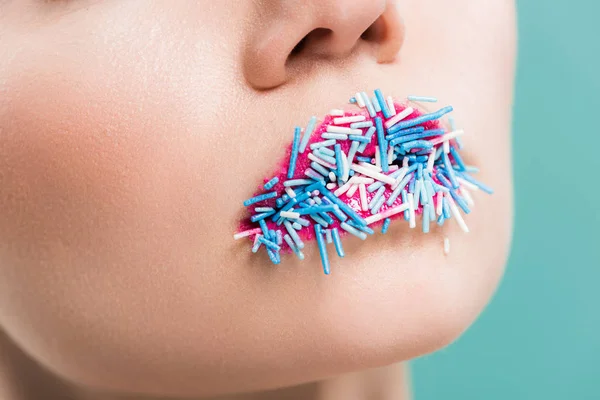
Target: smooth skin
[{"x": 132, "y": 130}]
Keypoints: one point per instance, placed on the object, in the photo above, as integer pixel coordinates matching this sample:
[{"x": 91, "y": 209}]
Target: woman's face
[{"x": 130, "y": 133}]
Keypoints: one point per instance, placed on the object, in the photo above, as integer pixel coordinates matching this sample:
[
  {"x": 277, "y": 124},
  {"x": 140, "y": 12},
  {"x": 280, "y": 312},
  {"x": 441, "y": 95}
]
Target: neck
[{"x": 21, "y": 378}]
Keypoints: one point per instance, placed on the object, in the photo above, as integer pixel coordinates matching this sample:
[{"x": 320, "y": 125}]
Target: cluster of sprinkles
[{"x": 361, "y": 168}]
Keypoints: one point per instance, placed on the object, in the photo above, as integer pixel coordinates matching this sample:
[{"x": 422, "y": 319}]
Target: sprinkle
[
  {"x": 391, "y": 106},
  {"x": 386, "y": 225},
  {"x": 382, "y": 144},
  {"x": 467, "y": 195},
  {"x": 296, "y": 226},
  {"x": 370, "y": 173},
  {"x": 353, "y": 231},
  {"x": 416, "y": 136},
  {"x": 325, "y": 143},
  {"x": 387, "y": 213},
  {"x": 279, "y": 237},
  {"x": 311, "y": 174},
  {"x": 446, "y": 146},
  {"x": 315, "y": 209},
  {"x": 343, "y": 130},
  {"x": 316, "y": 159},
  {"x": 290, "y": 192},
  {"x": 399, "y": 117},
  {"x": 422, "y": 99},
  {"x": 377, "y": 158},
  {"x": 480, "y": 185},
  {"x": 256, "y": 244},
  {"x": 319, "y": 168},
  {"x": 293, "y": 246},
  {"x": 269, "y": 185},
  {"x": 260, "y": 198},
  {"x": 352, "y": 100},
  {"x": 335, "y": 136},
  {"x": 324, "y": 157},
  {"x": 338, "y": 159},
  {"x": 368, "y": 135},
  {"x": 448, "y": 136},
  {"x": 358, "y": 138},
  {"x": 398, "y": 189},
  {"x": 426, "y": 218},
  {"x": 269, "y": 244},
  {"x": 345, "y": 168},
  {"x": 290, "y": 214},
  {"x": 456, "y": 214},
  {"x": 446, "y": 246},
  {"x": 292, "y": 232},
  {"x": 411, "y": 211},
  {"x": 332, "y": 176},
  {"x": 297, "y": 182},
  {"x": 326, "y": 151},
  {"x": 424, "y": 118},
  {"x": 359, "y": 100},
  {"x": 247, "y": 233},
  {"x": 307, "y": 133},
  {"x": 376, "y": 105},
  {"x": 322, "y": 249},
  {"x": 352, "y": 190},
  {"x": 331, "y": 185},
  {"x": 258, "y": 217},
  {"x": 382, "y": 105},
  {"x": 377, "y": 196},
  {"x": 303, "y": 222},
  {"x": 404, "y": 132},
  {"x": 343, "y": 206},
  {"x": 359, "y": 125},
  {"x": 349, "y": 120},
  {"x": 440, "y": 197},
  {"x": 431, "y": 160},
  {"x": 263, "y": 209},
  {"x": 363, "y": 197},
  {"x": 337, "y": 242},
  {"x": 294, "y": 156},
  {"x": 369, "y": 105},
  {"x": 336, "y": 113}
]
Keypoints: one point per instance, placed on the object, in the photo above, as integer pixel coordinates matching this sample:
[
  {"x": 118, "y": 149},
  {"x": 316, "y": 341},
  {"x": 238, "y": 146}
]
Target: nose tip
[{"x": 318, "y": 30}]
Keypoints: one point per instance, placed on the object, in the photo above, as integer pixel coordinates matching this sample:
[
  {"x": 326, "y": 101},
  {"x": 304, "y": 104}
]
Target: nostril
[{"x": 313, "y": 38}]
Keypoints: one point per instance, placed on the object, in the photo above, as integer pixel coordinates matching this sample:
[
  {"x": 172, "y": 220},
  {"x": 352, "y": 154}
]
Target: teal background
[{"x": 540, "y": 336}]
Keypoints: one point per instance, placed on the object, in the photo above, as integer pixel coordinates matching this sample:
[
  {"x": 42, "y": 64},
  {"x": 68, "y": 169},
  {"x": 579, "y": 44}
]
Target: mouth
[{"x": 357, "y": 169}]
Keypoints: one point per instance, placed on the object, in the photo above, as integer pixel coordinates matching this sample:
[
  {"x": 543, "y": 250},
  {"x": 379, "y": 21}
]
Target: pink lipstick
[{"x": 357, "y": 169}]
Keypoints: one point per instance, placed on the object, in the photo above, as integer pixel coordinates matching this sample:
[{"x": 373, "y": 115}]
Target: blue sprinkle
[
  {"x": 279, "y": 202},
  {"x": 351, "y": 154},
  {"x": 359, "y": 138},
  {"x": 307, "y": 133},
  {"x": 363, "y": 159},
  {"x": 319, "y": 220},
  {"x": 351, "y": 173},
  {"x": 336, "y": 210},
  {"x": 325, "y": 143},
  {"x": 421, "y": 159},
  {"x": 285, "y": 197},
  {"x": 404, "y": 132},
  {"x": 382, "y": 104},
  {"x": 292, "y": 232},
  {"x": 429, "y": 188},
  {"x": 352, "y": 100},
  {"x": 297, "y": 182},
  {"x": 422, "y": 99},
  {"x": 328, "y": 236},
  {"x": 440, "y": 220},
  {"x": 450, "y": 171},
  {"x": 327, "y": 152},
  {"x": 426, "y": 218},
  {"x": 296, "y": 226},
  {"x": 416, "y": 136},
  {"x": 263, "y": 209},
  {"x": 375, "y": 103},
  {"x": 260, "y": 198},
  {"x": 343, "y": 206},
  {"x": 317, "y": 200},
  {"x": 423, "y": 118},
  {"x": 377, "y": 196},
  {"x": 314, "y": 175},
  {"x": 471, "y": 170},
  {"x": 337, "y": 242},
  {"x": 263, "y": 227},
  {"x": 269, "y": 185},
  {"x": 334, "y": 136},
  {"x": 377, "y": 206},
  {"x": 419, "y": 171},
  {"x": 386, "y": 225},
  {"x": 480, "y": 185},
  {"x": 363, "y": 124},
  {"x": 460, "y": 201},
  {"x": 273, "y": 256},
  {"x": 369, "y": 105},
  {"x": 261, "y": 216},
  {"x": 457, "y": 158},
  {"x": 324, "y": 157},
  {"x": 257, "y": 244},
  {"x": 383, "y": 145},
  {"x": 293, "y": 246},
  {"x": 303, "y": 222},
  {"x": 294, "y": 157},
  {"x": 368, "y": 135},
  {"x": 319, "y": 168},
  {"x": 432, "y": 211},
  {"x": 411, "y": 186},
  {"x": 338, "y": 159},
  {"x": 353, "y": 231},
  {"x": 445, "y": 208},
  {"x": 322, "y": 249},
  {"x": 269, "y": 244},
  {"x": 364, "y": 229},
  {"x": 424, "y": 196},
  {"x": 399, "y": 189},
  {"x": 326, "y": 217},
  {"x": 315, "y": 210},
  {"x": 404, "y": 201},
  {"x": 417, "y": 144},
  {"x": 418, "y": 188}
]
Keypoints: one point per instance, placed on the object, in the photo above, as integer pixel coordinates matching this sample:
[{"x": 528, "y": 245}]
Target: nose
[{"x": 284, "y": 33}]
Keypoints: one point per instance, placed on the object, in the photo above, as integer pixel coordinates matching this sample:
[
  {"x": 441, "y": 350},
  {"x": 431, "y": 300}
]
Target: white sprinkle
[
  {"x": 440, "y": 205},
  {"x": 391, "y": 105},
  {"x": 359, "y": 100},
  {"x": 423, "y": 99},
  {"x": 344, "y": 130},
  {"x": 332, "y": 176},
  {"x": 447, "y": 136},
  {"x": 446, "y": 147},
  {"x": 362, "y": 179},
  {"x": 393, "y": 168},
  {"x": 349, "y": 120},
  {"x": 334, "y": 136},
  {"x": 363, "y": 197},
  {"x": 345, "y": 167},
  {"x": 456, "y": 213},
  {"x": 405, "y": 162},
  {"x": 467, "y": 184},
  {"x": 386, "y": 214},
  {"x": 390, "y": 155},
  {"x": 370, "y": 166},
  {"x": 343, "y": 189},
  {"x": 373, "y": 174},
  {"x": 467, "y": 195},
  {"x": 290, "y": 214},
  {"x": 247, "y": 233},
  {"x": 324, "y": 163},
  {"x": 411, "y": 211},
  {"x": 399, "y": 117},
  {"x": 418, "y": 188},
  {"x": 331, "y": 185},
  {"x": 336, "y": 113},
  {"x": 377, "y": 158},
  {"x": 290, "y": 192},
  {"x": 352, "y": 190},
  {"x": 446, "y": 246},
  {"x": 325, "y": 143},
  {"x": 431, "y": 160}
]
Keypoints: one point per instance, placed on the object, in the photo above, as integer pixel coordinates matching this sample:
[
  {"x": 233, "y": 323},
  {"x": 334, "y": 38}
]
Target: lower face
[{"x": 129, "y": 139}]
